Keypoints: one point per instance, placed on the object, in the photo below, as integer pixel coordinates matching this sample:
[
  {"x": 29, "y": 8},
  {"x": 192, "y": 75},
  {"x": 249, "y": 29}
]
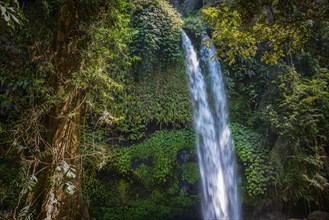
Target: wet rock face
[
  {"x": 318, "y": 215},
  {"x": 186, "y": 6},
  {"x": 273, "y": 216},
  {"x": 266, "y": 209},
  {"x": 191, "y": 214}
]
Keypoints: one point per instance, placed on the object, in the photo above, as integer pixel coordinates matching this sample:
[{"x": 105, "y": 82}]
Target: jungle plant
[
  {"x": 160, "y": 101},
  {"x": 255, "y": 163},
  {"x": 195, "y": 24},
  {"x": 65, "y": 62},
  {"x": 10, "y": 16},
  {"x": 158, "y": 35},
  {"x": 300, "y": 117},
  {"x": 142, "y": 181},
  {"x": 278, "y": 27}
]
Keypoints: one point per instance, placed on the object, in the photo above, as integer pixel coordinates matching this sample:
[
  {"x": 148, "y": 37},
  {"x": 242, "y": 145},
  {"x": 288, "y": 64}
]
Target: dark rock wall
[{"x": 186, "y": 6}]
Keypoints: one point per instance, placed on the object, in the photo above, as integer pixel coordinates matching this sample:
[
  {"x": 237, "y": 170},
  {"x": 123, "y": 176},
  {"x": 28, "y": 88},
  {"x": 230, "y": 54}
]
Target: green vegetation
[
  {"x": 190, "y": 172},
  {"x": 51, "y": 70},
  {"x": 9, "y": 185},
  {"x": 11, "y": 15},
  {"x": 95, "y": 110},
  {"x": 144, "y": 179},
  {"x": 160, "y": 101},
  {"x": 195, "y": 25},
  {"x": 301, "y": 119},
  {"x": 286, "y": 103},
  {"x": 155, "y": 42},
  {"x": 254, "y": 159},
  {"x": 276, "y": 27}
]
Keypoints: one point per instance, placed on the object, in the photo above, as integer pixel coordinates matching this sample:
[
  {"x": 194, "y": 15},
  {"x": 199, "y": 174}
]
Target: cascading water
[{"x": 214, "y": 144}]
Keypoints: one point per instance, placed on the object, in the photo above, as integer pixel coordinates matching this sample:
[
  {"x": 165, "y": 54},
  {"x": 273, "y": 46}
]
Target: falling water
[{"x": 214, "y": 144}]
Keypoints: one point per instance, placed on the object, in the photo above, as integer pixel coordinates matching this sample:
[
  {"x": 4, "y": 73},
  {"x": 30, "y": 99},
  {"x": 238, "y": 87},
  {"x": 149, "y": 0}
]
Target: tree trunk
[{"x": 58, "y": 193}]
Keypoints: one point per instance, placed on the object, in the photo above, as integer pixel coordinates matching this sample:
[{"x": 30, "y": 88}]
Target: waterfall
[{"x": 214, "y": 143}]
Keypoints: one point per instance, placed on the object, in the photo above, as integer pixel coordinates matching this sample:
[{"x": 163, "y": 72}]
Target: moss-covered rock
[{"x": 147, "y": 180}]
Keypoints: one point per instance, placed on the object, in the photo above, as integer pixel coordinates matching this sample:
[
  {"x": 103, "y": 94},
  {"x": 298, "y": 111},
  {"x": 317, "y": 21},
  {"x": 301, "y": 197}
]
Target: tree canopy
[{"x": 279, "y": 27}]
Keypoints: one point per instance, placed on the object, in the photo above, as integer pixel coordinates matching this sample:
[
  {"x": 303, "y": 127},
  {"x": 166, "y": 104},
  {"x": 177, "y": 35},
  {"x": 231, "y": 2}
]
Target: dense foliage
[
  {"x": 300, "y": 117},
  {"x": 278, "y": 27},
  {"x": 111, "y": 74},
  {"x": 160, "y": 101},
  {"x": 10, "y": 15},
  {"x": 287, "y": 102},
  {"x": 148, "y": 180},
  {"x": 157, "y": 40},
  {"x": 51, "y": 69},
  {"x": 254, "y": 158}
]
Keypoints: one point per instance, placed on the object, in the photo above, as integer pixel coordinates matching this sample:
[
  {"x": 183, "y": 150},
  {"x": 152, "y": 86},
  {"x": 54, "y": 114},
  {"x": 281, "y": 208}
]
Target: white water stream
[{"x": 215, "y": 148}]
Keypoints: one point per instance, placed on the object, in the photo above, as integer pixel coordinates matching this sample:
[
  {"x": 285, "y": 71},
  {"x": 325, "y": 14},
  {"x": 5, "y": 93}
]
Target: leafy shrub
[
  {"x": 195, "y": 25},
  {"x": 142, "y": 181},
  {"x": 190, "y": 173},
  {"x": 158, "y": 34},
  {"x": 253, "y": 157},
  {"x": 158, "y": 152},
  {"x": 10, "y": 184},
  {"x": 160, "y": 101},
  {"x": 299, "y": 116}
]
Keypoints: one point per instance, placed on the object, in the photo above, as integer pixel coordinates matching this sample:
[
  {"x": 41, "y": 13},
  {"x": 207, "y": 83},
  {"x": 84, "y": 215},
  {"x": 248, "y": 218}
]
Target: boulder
[
  {"x": 273, "y": 216},
  {"x": 318, "y": 215}
]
